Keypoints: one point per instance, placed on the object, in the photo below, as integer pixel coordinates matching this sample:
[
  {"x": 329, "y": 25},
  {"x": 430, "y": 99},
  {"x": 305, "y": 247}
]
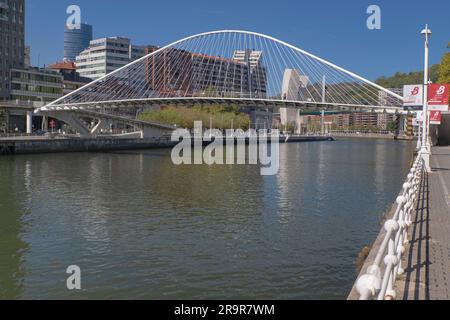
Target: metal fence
[{"x": 379, "y": 280}]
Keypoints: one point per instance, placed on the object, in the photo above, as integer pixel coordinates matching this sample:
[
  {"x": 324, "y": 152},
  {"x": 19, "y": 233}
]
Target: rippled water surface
[{"x": 140, "y": 227}]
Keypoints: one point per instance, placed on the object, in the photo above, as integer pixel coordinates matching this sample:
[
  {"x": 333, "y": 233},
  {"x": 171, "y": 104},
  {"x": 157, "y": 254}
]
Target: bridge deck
[{"x": 427, "y": 258}]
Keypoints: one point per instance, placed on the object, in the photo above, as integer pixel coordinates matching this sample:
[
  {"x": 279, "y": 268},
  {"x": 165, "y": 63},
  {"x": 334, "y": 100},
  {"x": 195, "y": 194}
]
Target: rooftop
[{"x": 63, "y": 65}]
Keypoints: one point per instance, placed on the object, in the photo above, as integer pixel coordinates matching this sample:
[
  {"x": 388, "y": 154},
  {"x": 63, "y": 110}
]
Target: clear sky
[{"x": 332, "y": 29}]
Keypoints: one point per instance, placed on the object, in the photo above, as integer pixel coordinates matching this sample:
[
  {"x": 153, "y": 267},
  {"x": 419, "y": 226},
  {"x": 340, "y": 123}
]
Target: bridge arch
[{"x": 229, "y": 66}]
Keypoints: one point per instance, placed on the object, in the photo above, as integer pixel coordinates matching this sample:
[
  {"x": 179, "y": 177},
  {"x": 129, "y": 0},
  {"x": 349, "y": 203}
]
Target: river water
[{"x": 140, "y": 227}]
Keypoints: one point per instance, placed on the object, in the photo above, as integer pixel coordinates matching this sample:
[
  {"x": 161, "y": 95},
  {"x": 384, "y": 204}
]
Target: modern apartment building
[
  {"x": 12, "y": 41},
  {"x": 108, "y": 54},
  {"x": 138, "y": 51},
  {"x": 179, "y": 73},
  {"x": 352, "y": 121},
  {"x": 103, "y": 56},
  {"x": 256, "y": 71},
  {"x": 76, "y": 40},
  {"x": 343, "y": 121},
  {"x": 384, "y": 119},
  {"x": 364, "y": 119}
]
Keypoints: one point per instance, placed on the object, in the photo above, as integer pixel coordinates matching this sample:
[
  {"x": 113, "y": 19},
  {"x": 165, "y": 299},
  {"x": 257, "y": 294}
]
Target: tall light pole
[
  {"x": 419, "y": 136},
  {"x": 424, "y": 151}
]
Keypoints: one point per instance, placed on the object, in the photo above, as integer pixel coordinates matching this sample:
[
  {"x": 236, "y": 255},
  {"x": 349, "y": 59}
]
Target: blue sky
[{"x": 333, "y": 30}]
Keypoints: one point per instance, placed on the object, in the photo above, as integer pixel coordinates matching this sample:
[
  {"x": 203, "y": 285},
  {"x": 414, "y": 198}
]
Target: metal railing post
[{"x": 372, "y": 284}]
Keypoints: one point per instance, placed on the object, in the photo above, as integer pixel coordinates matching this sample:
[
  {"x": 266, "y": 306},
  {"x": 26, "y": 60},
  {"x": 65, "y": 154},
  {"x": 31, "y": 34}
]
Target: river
[{"x": 140, "y": 227}]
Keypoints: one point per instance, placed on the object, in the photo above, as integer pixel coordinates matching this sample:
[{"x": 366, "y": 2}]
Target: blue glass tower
[{"x": 76, "y": 41}]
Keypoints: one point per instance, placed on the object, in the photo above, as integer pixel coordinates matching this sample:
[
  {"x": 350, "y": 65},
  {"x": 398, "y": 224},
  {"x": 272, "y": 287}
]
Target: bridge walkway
[{"x": 427, "y": 257}]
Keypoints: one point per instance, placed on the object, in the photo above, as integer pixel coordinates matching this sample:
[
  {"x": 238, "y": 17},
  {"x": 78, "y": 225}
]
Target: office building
[
  {"x": 35, "y": 84},
  {"x": 12, "y": 41},
  {"x": 76, "y": 40},
  {"x": 103, "y": 56},
  {"x": 27, "y": 57},
  {"x": 71, "y": 78},
  {"x": 108, "y": 54}
]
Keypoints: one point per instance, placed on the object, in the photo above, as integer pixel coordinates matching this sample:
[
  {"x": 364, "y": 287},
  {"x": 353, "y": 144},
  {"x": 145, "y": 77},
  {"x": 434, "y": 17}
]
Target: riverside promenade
[{"x": 426, "y": 258}]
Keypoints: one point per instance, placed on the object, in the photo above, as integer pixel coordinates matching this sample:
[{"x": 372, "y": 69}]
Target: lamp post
[
  {"x": 419, "y": 136},
  {"x": 424, "y": 151}
]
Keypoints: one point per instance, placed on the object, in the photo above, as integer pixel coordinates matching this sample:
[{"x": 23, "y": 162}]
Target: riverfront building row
[{"x": 356, "y": 121}]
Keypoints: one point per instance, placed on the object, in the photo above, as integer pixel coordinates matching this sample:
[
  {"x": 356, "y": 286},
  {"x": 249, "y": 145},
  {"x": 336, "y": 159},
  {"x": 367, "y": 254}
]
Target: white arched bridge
[{"x": 242, "y": 68}]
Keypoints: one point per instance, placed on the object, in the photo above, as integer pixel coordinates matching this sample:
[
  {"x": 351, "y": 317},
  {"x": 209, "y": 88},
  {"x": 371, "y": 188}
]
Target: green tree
[
  {"x": 222, "y": 117},
  {"x": 444, "y": 69},
  {"x": 399, "y": 79},
  {"x": 391, "y": 126}
]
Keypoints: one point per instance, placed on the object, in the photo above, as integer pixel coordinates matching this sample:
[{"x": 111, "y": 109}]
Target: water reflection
[
  {"x": 141, "y": 227},
  {"x": 11, "y": 227}
]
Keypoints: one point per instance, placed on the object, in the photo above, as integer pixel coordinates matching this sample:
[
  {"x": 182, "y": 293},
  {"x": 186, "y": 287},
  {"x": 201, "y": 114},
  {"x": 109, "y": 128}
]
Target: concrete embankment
[
  {"x": 372, "y": 136},
  {"x": 28, "y": 146},
  {"x": 294, "y": 138}
]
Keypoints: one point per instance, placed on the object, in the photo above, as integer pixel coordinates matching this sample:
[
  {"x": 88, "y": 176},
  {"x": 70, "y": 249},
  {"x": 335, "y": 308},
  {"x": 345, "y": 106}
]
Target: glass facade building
[{"x": 76, "y": 40}]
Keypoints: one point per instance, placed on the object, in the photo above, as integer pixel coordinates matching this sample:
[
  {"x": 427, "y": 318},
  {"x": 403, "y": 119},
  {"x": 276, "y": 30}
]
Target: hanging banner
[
  {"x": 435, "y": 117},
  {"x": 413, "y": 97},
  {"x": 438, "y": 96}
]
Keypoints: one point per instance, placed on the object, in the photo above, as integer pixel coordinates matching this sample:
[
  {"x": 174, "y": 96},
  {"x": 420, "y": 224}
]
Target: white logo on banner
[{"x": 413, "y": 95}]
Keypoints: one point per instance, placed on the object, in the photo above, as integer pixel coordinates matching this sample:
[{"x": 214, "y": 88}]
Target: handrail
[{"x": 377, "y": 285}]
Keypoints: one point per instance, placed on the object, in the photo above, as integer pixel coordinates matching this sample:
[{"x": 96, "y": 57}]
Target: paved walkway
[{"x": 427, "y": 259}]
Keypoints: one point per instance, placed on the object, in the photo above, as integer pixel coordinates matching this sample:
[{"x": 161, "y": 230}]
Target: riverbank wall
[
  {"x": 372, "y": 136},
  {"x": 31, "y": 145}
]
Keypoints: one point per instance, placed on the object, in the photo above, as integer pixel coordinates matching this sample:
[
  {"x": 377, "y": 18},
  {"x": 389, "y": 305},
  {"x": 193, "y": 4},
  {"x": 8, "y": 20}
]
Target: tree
[
  {"x": 444, "y": 69},
  {"x": 391, "y": 126},
  {"x": 399, "y": 79},
  {"x": 222, "y": 117},
  {"x": 290, "y": 127}
]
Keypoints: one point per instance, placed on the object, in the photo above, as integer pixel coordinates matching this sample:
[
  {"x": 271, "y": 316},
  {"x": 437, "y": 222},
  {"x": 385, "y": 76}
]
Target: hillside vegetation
[{"x": 439, "y": 73}]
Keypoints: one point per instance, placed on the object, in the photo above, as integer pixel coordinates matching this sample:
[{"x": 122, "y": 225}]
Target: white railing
[{"x": 377, "y": 283}]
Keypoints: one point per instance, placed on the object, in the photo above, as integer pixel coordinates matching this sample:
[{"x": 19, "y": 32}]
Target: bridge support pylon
[{"x": 29, "y": 122}]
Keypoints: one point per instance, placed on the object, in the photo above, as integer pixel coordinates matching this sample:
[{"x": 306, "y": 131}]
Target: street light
[{"x": 424, "y": 151}]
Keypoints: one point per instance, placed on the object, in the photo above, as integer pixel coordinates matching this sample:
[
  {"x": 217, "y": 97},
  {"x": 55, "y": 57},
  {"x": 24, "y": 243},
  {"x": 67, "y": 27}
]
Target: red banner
[
  {"x": 435, "y": 117},
  {"x": 438, "y": 96}
]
